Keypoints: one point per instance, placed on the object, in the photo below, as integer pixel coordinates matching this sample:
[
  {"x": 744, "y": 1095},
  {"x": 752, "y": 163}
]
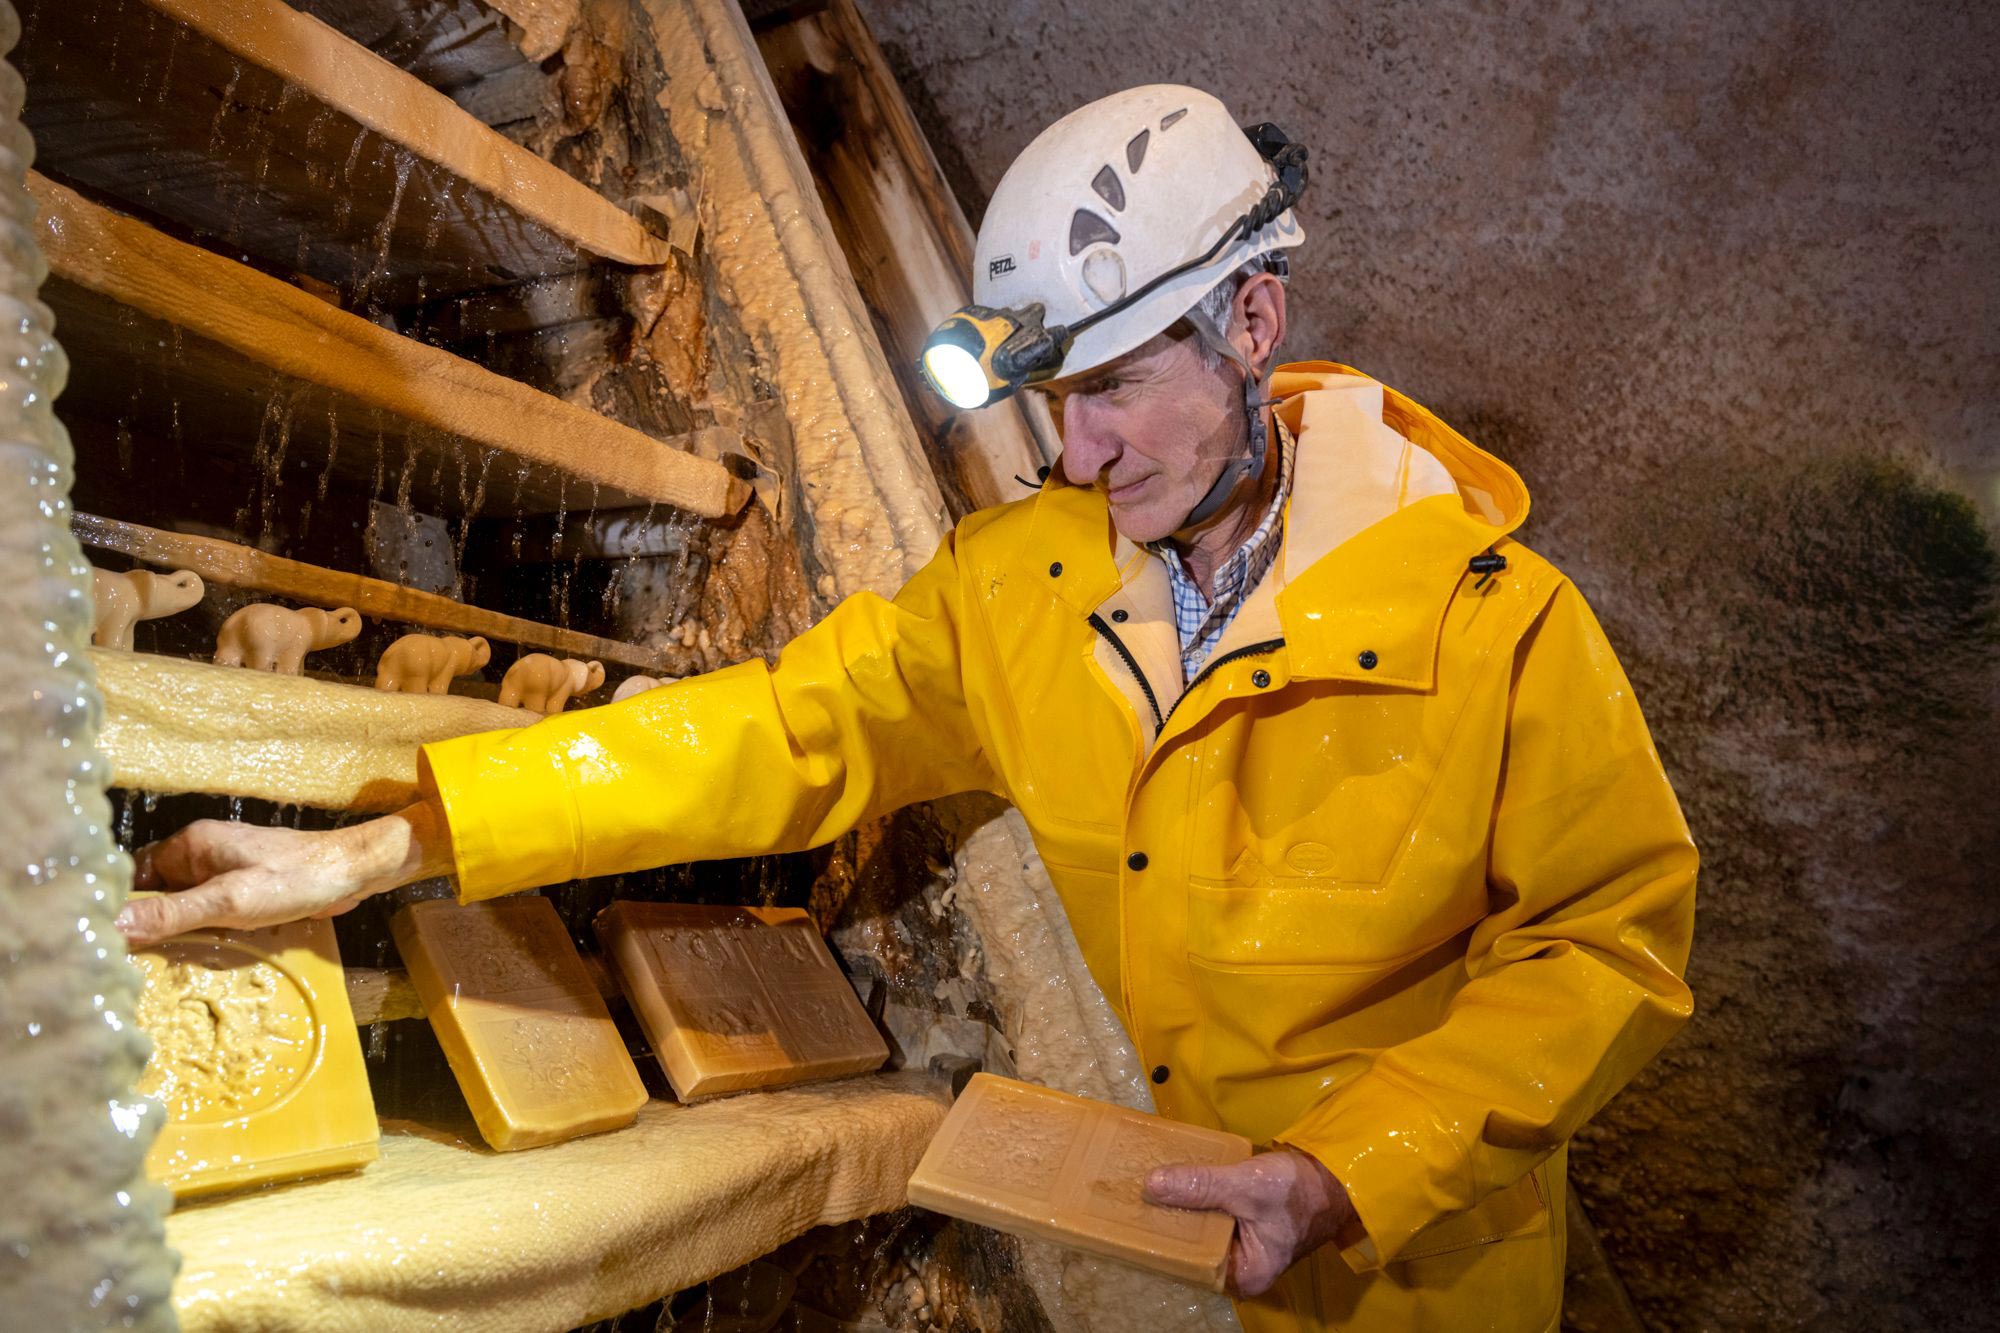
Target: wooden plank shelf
[
  {"x": 265, "y": 129},
  {"x": 237, "y": 566},
  {"x": 234, "y": 347}
]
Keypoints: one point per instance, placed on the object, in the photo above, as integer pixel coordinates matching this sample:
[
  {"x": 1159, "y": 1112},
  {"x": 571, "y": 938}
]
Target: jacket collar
[{"x": 1388, "y": 506}]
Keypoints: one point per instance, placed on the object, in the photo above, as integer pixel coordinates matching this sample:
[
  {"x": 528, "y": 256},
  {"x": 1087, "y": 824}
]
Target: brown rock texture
[{"x": 1719, "y": 280}]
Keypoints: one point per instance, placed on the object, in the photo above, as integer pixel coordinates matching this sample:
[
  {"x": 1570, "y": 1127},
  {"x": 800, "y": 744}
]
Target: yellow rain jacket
[{"x": 1397, "y": 880}]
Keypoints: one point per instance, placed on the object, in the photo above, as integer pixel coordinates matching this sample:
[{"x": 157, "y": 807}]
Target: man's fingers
[
  {"x": 1252, "y": 1266},
  {"x": 144, "y": 874},
  {"x": 219, "y": 902},
  {"x": 1185, "y": 1187},
  {"x": 184, "y": 859}
]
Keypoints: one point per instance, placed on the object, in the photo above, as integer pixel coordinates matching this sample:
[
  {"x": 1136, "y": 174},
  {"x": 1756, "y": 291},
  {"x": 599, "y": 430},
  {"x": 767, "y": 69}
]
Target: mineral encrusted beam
[
  {"x": 177, "y": 726},
  {"x": 904, "y": 236},
  {"x": 873, "y": 505}
]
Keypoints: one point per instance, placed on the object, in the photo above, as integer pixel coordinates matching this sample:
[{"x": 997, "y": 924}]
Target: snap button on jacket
[{"x": 1415, "y": 895}]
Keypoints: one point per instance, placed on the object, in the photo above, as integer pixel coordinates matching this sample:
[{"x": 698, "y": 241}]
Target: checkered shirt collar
[{"x": 1201, "y": 621}]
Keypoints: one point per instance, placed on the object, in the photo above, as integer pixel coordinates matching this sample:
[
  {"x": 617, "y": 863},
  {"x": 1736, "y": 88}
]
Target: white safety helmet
[{"x": 1110, "y": 197}]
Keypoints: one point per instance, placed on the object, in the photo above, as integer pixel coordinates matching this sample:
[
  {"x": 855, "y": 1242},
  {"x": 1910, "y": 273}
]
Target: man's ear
[{"x": 1258, "y": 318}]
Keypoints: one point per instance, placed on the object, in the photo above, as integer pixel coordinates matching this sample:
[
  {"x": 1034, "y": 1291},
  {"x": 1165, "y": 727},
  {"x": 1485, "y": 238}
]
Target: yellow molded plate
[{"x": 255, "y": 1059}]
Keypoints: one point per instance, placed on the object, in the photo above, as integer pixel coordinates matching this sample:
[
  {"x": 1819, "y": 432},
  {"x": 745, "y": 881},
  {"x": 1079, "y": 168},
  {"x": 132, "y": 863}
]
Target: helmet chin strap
[{"x": 1250, "y": 464}]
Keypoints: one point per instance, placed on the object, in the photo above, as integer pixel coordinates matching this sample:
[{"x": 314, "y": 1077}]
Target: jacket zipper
[
  {"x": 1233, "y": 655},
  {"x": 1132, "y": 665}
]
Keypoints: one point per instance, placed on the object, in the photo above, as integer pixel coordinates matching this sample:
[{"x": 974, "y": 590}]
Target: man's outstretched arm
[{"x": 862, "y": 714}]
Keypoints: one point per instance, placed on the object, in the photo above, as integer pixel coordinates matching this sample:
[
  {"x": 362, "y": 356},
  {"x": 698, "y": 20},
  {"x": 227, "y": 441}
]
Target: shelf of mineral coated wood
[
  {"x": 442, "y": 1232},
  {"x": 259, "y": 126},
  {"x": 188, "y": 345},
  {"x": 173, "y": 726}
]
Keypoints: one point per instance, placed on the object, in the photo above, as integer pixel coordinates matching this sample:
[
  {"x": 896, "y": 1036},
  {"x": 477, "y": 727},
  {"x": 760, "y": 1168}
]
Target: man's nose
[{"x": 1088, "y": 448}]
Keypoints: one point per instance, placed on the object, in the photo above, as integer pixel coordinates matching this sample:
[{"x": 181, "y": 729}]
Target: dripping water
[
  {"x": 469, "y": 514},
  {"x": 386, "y": 229},
  {"x": 326, "y": 473},
  {"x": 222, "y": 108},
  {"x": 343, "y": 205},
  {"x": 177, "y": 34},
  {"x": 275, "y": 422}
]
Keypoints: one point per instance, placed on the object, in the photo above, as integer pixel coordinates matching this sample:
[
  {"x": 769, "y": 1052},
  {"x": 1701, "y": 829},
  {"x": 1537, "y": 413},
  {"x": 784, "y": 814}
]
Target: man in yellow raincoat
[{"x": 1347, "y": 798}]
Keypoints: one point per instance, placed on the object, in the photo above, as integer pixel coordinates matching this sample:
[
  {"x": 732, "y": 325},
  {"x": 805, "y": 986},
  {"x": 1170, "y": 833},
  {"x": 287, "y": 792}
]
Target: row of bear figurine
[{"x": 267, "y": 637}]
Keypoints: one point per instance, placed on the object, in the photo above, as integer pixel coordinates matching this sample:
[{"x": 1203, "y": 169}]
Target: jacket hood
[{"x": 1491, "y": 491}]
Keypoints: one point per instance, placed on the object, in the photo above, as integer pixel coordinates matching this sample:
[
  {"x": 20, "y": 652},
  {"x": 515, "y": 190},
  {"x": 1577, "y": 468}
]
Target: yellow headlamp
[{"x": 981, "y": 355}]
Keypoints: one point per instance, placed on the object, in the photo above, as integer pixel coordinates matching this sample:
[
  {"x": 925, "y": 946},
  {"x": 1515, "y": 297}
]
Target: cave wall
[{"x": 1721, "y": 281}]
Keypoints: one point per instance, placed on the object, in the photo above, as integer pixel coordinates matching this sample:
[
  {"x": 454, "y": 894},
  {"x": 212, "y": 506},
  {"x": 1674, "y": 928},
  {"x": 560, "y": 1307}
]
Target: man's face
[{"x": 1151, "y": 430}]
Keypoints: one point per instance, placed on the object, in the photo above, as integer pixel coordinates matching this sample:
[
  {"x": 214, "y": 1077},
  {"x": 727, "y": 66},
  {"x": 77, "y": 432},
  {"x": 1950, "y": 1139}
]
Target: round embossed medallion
[
  {"x": 1309, "y": 858},
  {"x": 232, "y": 1032}
]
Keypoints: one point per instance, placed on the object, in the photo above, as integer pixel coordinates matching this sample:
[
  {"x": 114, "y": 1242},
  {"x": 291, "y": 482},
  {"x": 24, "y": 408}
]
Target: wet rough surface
[{"x": 1719, "y": 280}]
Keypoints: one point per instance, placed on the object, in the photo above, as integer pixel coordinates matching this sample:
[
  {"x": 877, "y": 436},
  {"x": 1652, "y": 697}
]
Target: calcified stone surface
[{"x": 80, "y": 1237}]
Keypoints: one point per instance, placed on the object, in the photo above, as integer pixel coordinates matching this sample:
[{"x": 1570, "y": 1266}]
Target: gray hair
[{"x": 1218, "y": 305}]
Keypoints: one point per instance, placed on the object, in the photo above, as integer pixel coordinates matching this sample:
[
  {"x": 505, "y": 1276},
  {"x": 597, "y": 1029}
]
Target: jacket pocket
[
  {"x": 1521, "y": 1209},
  {"x": 1294, "y": 923}
]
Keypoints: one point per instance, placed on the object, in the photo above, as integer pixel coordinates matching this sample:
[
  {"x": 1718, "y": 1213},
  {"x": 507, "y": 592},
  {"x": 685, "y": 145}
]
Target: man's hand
[
  {"x": 245, "y": 876},
  {"x": 1285, "y": 1204}
]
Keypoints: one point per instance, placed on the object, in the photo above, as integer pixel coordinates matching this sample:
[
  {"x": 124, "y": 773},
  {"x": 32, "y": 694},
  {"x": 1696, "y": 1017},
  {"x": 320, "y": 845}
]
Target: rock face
[{"x": 1714, "y": 281}]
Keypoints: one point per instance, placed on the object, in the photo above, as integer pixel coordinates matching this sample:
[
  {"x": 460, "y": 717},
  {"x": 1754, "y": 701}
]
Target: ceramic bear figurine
[
  {"x": 123, "y": 600},
  {"x": 267, "y": 637},
  {"x": 544, "y": 684},
  {"x": 632, "y": 685},
  {"x": 426, "y": 663}
]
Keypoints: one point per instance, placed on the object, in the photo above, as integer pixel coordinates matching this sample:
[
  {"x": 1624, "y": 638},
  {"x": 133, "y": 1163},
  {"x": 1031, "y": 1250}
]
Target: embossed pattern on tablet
[
  {"x": 734, "y": 998},
  {"x": 1037, "y": 1162},
  {"x": 232, "y": 1034}
]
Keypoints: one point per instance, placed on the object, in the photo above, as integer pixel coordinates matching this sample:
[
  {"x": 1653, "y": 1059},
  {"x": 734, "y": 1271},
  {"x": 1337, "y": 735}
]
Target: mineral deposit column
[{"x": 81, "y": 1240}]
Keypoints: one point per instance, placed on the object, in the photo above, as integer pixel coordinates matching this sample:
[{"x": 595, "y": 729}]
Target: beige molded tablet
[
  {"x": 737, "y": 997},
  {"x": 526, "y": 1033},
  {"x": 1036, "y": 1162},
  {"x": 255, "y": 1059}
]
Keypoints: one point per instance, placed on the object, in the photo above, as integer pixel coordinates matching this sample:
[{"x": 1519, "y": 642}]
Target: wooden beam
[
  {"x": 246, "y": 567},
  {"x": 229, "y": 347},
  {"x": 266, "y": 129},
  {"x": 905, "y": 237}
]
